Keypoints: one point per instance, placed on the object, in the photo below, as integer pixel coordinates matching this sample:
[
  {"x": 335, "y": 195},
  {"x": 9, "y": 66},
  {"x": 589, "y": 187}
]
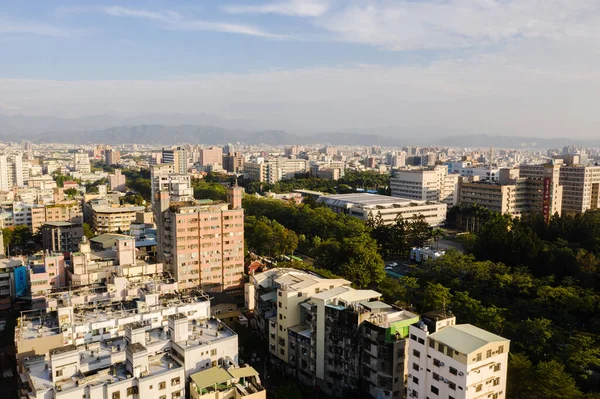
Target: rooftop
[
  {"x": 368, "y": 201},
  {"x": 465, "y": 338}
]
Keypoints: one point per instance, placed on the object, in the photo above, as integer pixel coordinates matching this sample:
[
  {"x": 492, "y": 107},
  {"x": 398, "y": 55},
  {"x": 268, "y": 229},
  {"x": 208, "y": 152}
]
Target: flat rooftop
[
  {"x": 366, "y": 200},
  {"x": 465, "y": 338}
]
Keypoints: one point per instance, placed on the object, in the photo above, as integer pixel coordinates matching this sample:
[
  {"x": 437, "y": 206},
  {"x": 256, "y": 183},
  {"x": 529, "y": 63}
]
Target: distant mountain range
[{"x": 212, "y": 130}]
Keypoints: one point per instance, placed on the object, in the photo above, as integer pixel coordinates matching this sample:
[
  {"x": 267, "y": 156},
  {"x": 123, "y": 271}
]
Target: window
[
  {"x": 449, "y": 351},
  {"x": 162, "y": 385},
  {"x": 213, "y": 352},
  {"x": 59, "y": 373},
  {"x": 163, "y": 397},
  {"x": 176, "y": 394},
  {"x": 500, "y": 349},
  {"x": 279, "y": 304},
  {"x": 175, "y": 381},
  {"x": 488, "y": 354},
  {"x": 421, "y": 341},
  {"x": 497, "y": 367},
  {"x": 479, "y": 388},
  {"x": 415, "y": 367},
  {"x": 441, "y": 348},
  {"x": 415, "y": 380},
  {"x": 496, "y": 381},
  {"x": 453, "y": 371},
  {"x": 452, "y": 385},
  {"x": 281, "y": 352},
  {"x": 436, "y": 363},
  {"x": 299, "y": 295},
  {"x": 434, "y": 390},
  {"x": 416, "y": 353},
  {"x": 436, "y": 376},
  {"x": 479, "y": 357},
  {"x": 413, "y": 337},
  {"x": 116, "y": 395},
  {"x": 431, "y": 343}
]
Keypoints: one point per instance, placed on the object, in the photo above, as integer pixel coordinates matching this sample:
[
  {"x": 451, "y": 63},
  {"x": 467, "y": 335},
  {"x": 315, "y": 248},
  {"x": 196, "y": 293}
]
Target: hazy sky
[{"x": 512, "y": 67}]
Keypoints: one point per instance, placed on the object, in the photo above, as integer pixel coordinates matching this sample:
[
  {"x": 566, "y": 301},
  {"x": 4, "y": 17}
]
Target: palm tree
[{"x": 436, "y": 234}]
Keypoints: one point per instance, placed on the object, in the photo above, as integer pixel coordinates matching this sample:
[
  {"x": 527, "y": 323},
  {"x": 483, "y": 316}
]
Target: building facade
[{"x": 455, "y": 361}]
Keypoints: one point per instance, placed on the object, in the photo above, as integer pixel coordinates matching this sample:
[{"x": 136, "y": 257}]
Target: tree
[
  {"x": 418, "y": 231},
  {"x": 71, "y": 192},
  {"x": 550, "y": 381},
  {"x": 437, "y": 234},
  {"x": 436, "y": 297},
  {"x": 87, "y": 231},
  {"x": 581, "y": 354},
  {"x": 520, "y": 376}
]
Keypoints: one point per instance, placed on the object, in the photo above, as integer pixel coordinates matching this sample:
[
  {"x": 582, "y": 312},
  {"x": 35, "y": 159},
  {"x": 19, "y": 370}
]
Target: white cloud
[
  {"x": 512, "y": 92},
  {"x": 447, "y": 24},
  {"x": 175, "y": 21},
  {"x": 297, "y": 8},
  {"x": 13, "y": 26}
]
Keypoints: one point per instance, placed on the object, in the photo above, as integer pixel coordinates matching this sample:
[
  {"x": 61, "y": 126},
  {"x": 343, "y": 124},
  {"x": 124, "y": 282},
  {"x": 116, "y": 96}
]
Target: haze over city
[{"x": 514, "y": 68}]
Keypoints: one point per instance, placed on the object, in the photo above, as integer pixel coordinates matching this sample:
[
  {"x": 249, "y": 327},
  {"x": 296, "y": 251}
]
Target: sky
[{"x": 499, "y": 67}]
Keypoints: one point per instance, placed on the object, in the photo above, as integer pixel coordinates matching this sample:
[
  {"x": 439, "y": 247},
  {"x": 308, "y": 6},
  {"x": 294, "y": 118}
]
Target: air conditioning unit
[
  {"x": 410, "y": 376},
  {"x": 441, "y": 364},
  {"x": 461, "y": 373}
]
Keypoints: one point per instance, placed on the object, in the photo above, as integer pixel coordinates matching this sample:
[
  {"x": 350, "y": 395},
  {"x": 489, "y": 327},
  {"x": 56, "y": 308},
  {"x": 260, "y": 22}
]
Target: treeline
[
  {"x": 339, "y": 243},
  {"x": 351, "y": 182}
]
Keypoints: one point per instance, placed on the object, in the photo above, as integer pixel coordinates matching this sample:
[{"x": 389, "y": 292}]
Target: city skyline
[{"x": 458, "y": 67}]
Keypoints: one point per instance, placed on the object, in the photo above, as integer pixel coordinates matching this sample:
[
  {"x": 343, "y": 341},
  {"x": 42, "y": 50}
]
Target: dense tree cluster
[
  {"x": 339, "y": 243},
  {"x": 139, "y": 182},
  {"x": 268, "y": 237},
  {"x": 209, "y": 189},
  {"x": 352, "y": 181},
  {"x": 395, "y": 240},
  {"x": 535, "y": 283}
]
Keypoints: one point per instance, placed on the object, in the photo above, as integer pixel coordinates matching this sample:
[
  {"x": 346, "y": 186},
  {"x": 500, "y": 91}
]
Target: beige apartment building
[
  {"x": 426, "y": 185},
  {"x": 202, "y": 242},
  {"x": 581, "y": 188},
  {"x": 113, "y": 218}
]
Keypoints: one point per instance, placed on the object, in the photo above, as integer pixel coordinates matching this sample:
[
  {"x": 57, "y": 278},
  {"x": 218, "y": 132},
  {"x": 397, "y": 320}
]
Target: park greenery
[
  {"x": 532, "y": 282},
  {"x": 351, "y": 182},
  {"x": 342, "y": 244}
]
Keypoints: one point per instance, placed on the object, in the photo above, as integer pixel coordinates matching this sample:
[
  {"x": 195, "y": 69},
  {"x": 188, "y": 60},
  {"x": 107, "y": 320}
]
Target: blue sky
[{"x": 472, "y": 66}]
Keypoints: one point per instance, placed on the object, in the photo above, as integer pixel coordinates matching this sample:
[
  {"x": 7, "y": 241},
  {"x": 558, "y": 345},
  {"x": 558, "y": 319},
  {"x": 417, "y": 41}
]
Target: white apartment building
[
  {"x": 146, "y": 347},
  {"x": 363, "y": 206},
  {"x": 455, "y": 361},
  {"x": 81, "y": 162},
  {"x": 14, "y": 172},
  {"x": 426, "y": 185},
  {"x": 274, "y": 169}
]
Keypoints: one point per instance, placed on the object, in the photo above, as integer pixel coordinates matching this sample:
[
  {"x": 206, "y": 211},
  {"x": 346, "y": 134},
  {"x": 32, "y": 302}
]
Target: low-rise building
[
  {"x": 363, "y": 206},
  {"x": 113, "y": 218},
  {"x": 230, "y": 383},
  {"x": 61, "y": 236}
]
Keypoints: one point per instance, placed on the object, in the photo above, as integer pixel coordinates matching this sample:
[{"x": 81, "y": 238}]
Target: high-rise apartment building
[
  {"x": 81, "y": 162},
  {"x": 112, "y": 156},
  {"x": 462, "y": 361},
  {"x": 327, "y": 334},
  {"x": 426, "y": 185},
  {"x": 581, "y": 188},
  {"x": 116, "y": 181},
  {"x": 202, "y": 243},
  {"x": 211, "y": 156},
  {"x": 14, "y": 172},
  {"x": 177, "y": 157},
  {"x": 233, "y": 162}
]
